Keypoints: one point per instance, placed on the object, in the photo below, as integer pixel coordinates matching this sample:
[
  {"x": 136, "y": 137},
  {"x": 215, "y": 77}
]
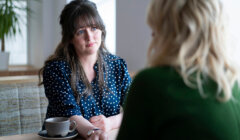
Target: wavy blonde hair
[{"x": 189, "y": 35}]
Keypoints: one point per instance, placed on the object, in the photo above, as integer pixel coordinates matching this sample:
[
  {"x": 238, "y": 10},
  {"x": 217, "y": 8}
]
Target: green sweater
[{"x": 160, "y": 106}]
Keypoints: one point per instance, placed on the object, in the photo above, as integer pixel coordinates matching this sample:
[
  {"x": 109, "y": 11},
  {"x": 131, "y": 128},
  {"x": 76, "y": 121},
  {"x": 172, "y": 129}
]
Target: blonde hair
[{"x": 189, "y": 36}]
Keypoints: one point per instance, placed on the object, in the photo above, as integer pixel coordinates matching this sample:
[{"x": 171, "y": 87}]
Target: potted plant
[{"x": 9, "y": 26}]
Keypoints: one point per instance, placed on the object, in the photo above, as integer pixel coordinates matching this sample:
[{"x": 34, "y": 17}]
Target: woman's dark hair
[{"x": 79, "y": 13}]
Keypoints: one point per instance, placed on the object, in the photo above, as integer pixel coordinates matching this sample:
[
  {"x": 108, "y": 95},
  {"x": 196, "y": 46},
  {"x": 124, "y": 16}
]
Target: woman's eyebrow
[{"x": 81, "y": 27}]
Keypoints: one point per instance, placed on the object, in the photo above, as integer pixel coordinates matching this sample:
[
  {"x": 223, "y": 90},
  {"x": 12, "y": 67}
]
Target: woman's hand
[
  {"x": 101, "y": 122},
  {"x": 106, "y": 124},
  {"x": 98, "y": 135},
  {"x": 84, "y": 126}
]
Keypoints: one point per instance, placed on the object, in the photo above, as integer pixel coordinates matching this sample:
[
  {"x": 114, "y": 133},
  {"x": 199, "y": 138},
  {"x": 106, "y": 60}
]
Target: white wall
[
  {"x": 132, "y": 33},
  {"x": 44, "y": 30},
  {"x": 232, "y": 10}
]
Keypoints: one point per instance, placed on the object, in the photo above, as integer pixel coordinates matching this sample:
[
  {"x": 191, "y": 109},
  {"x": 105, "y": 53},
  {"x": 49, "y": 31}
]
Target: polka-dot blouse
[{"x": 56, "y": 80}]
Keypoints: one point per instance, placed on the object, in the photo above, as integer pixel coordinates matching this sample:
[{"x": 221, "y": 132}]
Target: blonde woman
[{"x": 191, "y": 89}]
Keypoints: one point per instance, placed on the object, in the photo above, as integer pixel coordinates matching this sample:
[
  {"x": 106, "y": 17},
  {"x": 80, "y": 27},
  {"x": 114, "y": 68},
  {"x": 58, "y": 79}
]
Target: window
[
  {"x": 233, "y": 21},
  {"x": 107, "y": 10},
  {"x": 17, "y": 45}
]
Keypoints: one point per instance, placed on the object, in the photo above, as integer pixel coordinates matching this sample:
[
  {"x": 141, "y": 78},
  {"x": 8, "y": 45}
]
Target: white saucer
[{"x": 43, "y": 135}]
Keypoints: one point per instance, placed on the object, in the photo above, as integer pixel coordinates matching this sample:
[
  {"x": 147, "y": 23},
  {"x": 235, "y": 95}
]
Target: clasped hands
[{"x": 102, "y": 123}]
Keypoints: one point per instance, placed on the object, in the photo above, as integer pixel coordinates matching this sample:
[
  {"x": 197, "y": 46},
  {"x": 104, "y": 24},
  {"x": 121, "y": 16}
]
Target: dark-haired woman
[{"x": 82, "y": 80}]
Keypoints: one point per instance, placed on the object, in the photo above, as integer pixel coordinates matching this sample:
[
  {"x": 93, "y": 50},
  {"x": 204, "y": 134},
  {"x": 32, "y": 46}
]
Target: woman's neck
[{"x": 87, "y": 63}]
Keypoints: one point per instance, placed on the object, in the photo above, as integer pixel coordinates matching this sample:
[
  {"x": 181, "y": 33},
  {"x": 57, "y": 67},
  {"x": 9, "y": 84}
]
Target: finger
[
  {"x": 94, "y": 119},
  {"x": 93, "y": 137},
  {"x": 101, "y": 116},
  {"x": 97, "y": 125},
  {"x": 103, "y": 136},
  {"x": 99, "y": 122},
  {"x": 96, "y": 135},
  {"x": 102, "y": 127}
]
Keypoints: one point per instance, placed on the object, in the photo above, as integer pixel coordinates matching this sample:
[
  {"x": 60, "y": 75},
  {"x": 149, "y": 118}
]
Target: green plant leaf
[{"x": 9, "y": 19}]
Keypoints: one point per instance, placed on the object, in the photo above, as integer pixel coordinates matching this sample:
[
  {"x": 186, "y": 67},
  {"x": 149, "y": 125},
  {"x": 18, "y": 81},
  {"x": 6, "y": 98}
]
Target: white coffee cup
[{"x": 59, "y": 126}]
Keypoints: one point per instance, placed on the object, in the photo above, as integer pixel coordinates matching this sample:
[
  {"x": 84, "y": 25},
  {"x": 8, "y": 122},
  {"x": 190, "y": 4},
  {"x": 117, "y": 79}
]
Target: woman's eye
[
  {"x": 94, "y": 28},
  {"x": 80, "y": 32}
]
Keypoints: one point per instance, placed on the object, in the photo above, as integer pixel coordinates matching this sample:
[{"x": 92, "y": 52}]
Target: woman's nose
[{"x": 89, "y": 34}]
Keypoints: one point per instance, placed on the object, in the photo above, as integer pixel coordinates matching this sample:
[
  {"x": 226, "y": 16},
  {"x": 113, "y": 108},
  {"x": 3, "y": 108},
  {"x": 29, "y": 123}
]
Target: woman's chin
[{"x": 92, "y": 51}]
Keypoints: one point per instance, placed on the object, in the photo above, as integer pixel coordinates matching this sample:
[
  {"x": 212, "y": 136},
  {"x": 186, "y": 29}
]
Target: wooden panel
[
  {"x": 19, "y": 70},
  {"x": 18, "y": 79}
]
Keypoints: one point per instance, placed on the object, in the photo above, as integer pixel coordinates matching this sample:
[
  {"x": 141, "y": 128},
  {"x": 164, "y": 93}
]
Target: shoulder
[
  {"x": 57, "y": 65},
  {"x": 157, "y": 73},
  {"x": 115, "y": 60},
  {"x": 156, "y": 77}
]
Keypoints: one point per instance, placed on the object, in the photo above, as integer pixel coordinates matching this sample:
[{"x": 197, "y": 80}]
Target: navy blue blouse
[{"x": 56, "y": 80}]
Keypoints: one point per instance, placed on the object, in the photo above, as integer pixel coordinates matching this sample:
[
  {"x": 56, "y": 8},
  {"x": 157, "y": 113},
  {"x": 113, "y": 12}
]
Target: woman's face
[{"x": 87, "y": 40}]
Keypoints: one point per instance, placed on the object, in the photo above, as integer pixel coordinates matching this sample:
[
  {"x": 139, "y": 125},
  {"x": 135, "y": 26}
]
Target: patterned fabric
[
  {"x": 56, "y": 79},
  {"x": 22, "y": 108}
]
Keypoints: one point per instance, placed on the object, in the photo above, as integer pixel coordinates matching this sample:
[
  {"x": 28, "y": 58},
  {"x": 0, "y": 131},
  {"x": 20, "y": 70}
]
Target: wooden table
[{"x": 34, "y": 136}]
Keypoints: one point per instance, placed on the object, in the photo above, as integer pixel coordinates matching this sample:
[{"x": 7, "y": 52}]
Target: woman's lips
[{"x": 90, "y": 44}]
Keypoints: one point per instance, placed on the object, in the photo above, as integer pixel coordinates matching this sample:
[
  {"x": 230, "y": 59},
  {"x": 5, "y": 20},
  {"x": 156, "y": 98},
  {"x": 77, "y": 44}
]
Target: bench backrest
[{"x": 22, "y": 108}]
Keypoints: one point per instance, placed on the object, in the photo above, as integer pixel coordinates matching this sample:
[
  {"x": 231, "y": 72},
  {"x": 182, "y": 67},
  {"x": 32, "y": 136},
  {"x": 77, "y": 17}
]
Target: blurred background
[{"x": 128, "y": 35}]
